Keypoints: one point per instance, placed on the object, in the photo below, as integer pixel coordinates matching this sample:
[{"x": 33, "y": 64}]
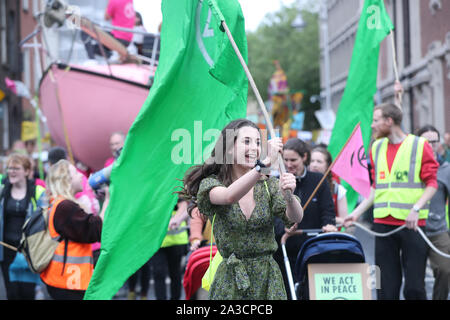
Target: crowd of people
[
  {"x": 122, "y": 16},
  {"x": 248, "y": 208},
  {"x": 75, "y": 219}
]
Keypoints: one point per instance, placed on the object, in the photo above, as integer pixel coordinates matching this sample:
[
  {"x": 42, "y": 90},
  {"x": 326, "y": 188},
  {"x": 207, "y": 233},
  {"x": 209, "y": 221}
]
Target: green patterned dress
[{"x": 248, "y": 270}]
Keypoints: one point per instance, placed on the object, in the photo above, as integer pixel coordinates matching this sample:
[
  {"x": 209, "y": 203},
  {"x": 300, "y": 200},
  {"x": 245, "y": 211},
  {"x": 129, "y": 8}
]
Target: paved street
[
  {"x": 368, "y": 243},
  {"x": 366, "y": 240}
]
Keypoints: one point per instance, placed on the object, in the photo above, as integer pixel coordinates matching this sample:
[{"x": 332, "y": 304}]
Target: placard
[
  {"x": 326, "y": 118},
  {"x": 339, "y": 281}
]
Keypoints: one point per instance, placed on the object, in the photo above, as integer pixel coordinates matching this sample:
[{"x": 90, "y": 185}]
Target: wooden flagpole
[
  {"x": 261, "y": 104},
  {"x": 394, "y": 58},
  {"x": 394, "y": 55},
  {"x": 8, "y": 246}
]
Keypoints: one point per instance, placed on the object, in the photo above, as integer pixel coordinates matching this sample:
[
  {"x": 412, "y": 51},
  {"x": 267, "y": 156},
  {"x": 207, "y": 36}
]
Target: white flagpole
[
  {"x": 261, "y": 104},
  {"x": 250, "y": 79}
]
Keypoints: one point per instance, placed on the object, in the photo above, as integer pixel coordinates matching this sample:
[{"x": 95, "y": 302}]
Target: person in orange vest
[{"x": 68, "y": 274}]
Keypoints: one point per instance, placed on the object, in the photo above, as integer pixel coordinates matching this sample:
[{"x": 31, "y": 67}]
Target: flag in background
[
  {"x": 199, "y": 85},
  {"x": 351, "y": 164},
  {"x": 358, "y": 99}
]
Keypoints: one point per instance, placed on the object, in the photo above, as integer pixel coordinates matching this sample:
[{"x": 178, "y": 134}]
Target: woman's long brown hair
[{"x": 220, "y": 162}]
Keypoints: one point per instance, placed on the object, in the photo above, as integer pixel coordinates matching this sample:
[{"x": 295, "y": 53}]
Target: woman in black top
[{"x": 320, "y": 212}]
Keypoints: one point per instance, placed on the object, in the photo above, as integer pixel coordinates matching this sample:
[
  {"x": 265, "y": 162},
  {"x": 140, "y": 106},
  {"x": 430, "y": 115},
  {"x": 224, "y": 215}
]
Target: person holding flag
[
  {"x": 199, "y": 87},
  {"x": 404, "y": 174},
  {"x": 230, "y": 188},
  {"x": 69, "y": 272}
]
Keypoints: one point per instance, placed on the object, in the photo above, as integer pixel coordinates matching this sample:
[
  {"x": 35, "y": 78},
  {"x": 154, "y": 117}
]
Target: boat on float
[{"x": 85, "y": 103}]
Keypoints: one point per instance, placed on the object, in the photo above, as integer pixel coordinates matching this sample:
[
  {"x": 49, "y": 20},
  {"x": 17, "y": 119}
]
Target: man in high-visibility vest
[{"x": 404, "y": 180}]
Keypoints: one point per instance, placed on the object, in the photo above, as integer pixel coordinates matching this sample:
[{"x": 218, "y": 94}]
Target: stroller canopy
[{"x": 334, "y": 247}]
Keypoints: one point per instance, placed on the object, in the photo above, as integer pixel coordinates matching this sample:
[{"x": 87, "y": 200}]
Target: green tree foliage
[{"x": 296, "y": 50}]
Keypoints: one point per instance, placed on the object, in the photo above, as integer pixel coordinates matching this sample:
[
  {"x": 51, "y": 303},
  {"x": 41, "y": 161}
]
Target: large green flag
[
  {"x": 199, "y": 87},
  {"x": 358, "y": 99}
]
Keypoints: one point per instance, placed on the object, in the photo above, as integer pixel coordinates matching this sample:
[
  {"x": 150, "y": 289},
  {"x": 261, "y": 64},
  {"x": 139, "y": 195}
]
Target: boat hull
[{"x": 83, "y": 107}]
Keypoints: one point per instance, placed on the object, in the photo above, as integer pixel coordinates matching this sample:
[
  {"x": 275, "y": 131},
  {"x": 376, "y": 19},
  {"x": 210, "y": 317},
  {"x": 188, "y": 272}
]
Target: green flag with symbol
[
  {"x": 358, "y": 99},
  {"x": 199, "y": 87}
]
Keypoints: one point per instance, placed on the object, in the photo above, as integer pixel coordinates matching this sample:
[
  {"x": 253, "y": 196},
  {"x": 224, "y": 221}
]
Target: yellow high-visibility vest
[
  {"x": 176, "y": 237},
  {"x": 397, "y": 190}
]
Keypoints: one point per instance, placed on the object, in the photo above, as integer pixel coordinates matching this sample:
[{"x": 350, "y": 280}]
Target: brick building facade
[{"x": 422, "y": 44}]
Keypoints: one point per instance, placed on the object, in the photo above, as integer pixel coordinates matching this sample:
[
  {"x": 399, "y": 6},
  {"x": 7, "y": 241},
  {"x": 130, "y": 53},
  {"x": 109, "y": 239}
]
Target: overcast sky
[{"x": 254, "y": 11}]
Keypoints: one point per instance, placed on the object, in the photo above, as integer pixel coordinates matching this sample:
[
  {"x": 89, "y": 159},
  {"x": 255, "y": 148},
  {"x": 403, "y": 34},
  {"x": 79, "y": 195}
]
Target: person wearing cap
[{"x": 55, "y": 154}]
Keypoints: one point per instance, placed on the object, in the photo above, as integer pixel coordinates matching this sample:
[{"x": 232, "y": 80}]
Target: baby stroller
[{"x": 334, "y": 247}]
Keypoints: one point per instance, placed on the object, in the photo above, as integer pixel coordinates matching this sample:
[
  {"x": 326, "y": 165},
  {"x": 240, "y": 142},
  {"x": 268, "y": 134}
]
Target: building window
[
  {"x": 406, "y": 33},
  {"x": 25, "y": 5},
  {"x": 4, "y": 122},
  {"x": 13, "y": 50}
]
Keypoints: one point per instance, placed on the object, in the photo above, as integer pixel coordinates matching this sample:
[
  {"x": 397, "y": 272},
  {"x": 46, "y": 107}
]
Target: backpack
[{"x": 36, "y": 244}]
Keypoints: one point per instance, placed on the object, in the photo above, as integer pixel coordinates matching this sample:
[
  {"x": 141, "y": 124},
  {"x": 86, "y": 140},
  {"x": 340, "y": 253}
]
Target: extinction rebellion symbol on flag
[{"x": 361, "y": 157}]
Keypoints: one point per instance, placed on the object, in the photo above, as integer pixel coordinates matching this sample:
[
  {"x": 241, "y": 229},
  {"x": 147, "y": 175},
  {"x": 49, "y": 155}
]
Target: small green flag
[
  {"x": 357, "y": 101},
  {"x": 199, "y": 87}
]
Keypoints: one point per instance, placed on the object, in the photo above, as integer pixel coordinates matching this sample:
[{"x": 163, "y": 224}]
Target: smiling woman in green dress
[{"x": 230, "y": 189}]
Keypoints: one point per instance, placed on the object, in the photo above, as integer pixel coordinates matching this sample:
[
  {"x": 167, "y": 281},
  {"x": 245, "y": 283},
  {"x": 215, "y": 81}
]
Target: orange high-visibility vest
[{"x": 77, "y": 271}]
